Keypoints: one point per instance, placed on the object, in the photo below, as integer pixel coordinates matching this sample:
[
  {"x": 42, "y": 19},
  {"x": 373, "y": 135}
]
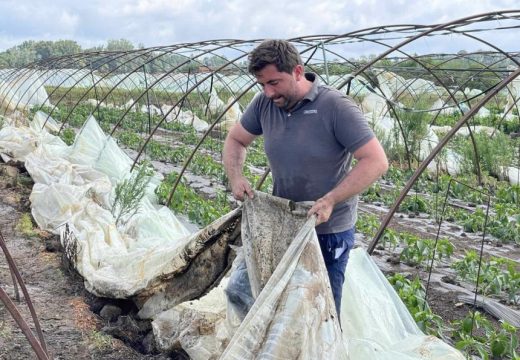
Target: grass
[
  {"x": 100, "y": 341},
  {"x": 25, "y": 225}
]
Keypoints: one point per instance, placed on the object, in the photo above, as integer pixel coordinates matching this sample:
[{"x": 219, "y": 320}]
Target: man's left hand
[{"x": 322, "y": 209}]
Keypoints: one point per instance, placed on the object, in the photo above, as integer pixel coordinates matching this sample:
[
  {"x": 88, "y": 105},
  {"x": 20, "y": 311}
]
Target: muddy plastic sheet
[
  {"x": 137, "y": 257},
  {"x": 293, "y": 316}
]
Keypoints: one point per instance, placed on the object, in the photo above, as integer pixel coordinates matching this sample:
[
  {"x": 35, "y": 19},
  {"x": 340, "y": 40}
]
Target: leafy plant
[
  {"x": 489, "y": 342},
  {"x": 418, "y": 250},
  {"x": 130, "y": 192},
  {"x": 367, "y": 224},
  {"x": 414, "y": 204},
  {"x": 412, "y": 293},
  {"x": 497, "y": 275},
  {"x": 68, "y": 135},
  {"x": 187, "y": 201},
  {"x": 391, "y": 238},
  {"x": 25, "y": 225}
]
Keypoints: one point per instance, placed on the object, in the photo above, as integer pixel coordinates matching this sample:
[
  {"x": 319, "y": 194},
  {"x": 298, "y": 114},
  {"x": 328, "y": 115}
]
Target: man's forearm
[{"x": 234, "y": 155}]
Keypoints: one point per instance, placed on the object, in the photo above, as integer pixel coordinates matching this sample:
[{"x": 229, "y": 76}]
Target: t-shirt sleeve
[
  {"x": 350, "y": 125},
  {"x": 251, "y": 118}
]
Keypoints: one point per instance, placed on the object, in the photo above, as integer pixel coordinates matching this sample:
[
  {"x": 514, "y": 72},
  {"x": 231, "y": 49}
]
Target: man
[{"x": 309, "y": 131}]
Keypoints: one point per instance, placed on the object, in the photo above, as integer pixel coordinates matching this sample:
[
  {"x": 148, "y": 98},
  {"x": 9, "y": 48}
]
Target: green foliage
[
  {"x": 419, "y": 251},
  {"x": 497, "y": 275},
  {"x": 367, "y": 224},
  {"x": 414, "y": 204},
  {"x": 391, "y": 238},
  {"x": 68, "y": 135},
  {"x": 30, "y": 51},
  {"x": 492, "y": 344},
  {"x": 130, "y": 192},
  {"x": 412, "y": 293},
  {"x": 186, "y": 201},
  {"x": 100, "y": 341},
  {"x": 414, "y": 127},
  {"x": 25, "y": 225},
  {"x": 494, "y": 153}
]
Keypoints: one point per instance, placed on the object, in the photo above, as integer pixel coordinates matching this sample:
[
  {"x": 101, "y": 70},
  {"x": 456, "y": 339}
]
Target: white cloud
[{"x": 165, "y": 22}]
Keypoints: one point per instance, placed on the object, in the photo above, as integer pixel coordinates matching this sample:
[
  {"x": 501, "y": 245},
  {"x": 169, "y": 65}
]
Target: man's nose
[{"x": 268, "y": 91}]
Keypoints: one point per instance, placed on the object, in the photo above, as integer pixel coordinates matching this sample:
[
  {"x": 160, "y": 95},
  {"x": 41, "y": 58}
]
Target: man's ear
[{"x": 298, "y": 72}]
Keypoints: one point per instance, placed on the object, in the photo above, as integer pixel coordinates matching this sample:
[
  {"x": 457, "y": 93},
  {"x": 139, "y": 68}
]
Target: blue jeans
[{"x": 335, "y": 249}]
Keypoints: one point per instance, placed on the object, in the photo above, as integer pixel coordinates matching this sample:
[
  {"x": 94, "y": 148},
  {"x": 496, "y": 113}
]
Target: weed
[
  {"x": 25, "y": 225},
  {"x": 130, "y": 192},
  {"x": 100, "y": 341}
]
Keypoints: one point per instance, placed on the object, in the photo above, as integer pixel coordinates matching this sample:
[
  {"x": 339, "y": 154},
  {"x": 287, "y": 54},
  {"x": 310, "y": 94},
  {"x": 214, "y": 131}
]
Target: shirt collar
[{"x": 313, "y": 92}]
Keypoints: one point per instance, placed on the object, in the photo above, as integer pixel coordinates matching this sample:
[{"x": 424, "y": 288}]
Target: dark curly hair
[{"x": 280, "y": 53}]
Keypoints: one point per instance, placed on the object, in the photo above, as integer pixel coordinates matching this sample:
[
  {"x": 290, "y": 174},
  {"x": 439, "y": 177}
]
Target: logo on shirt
[{"x": 313, "y": 111}]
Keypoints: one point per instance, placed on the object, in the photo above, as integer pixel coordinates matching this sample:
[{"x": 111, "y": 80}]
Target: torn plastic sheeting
[
  {"x": 200, "y": 266},
  {"x": 116, "y": 260},
  {"x": 280, "y": 324},
  {"x": 376, "y": 323},
  {"x": 294, "y": 316}
]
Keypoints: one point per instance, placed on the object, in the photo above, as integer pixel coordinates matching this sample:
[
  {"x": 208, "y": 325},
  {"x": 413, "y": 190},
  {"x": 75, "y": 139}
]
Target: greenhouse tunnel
[{"x": 447, "y": 118}]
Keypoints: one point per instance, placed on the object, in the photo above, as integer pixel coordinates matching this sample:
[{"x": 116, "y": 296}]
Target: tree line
[{"x": 31, "y": 51}]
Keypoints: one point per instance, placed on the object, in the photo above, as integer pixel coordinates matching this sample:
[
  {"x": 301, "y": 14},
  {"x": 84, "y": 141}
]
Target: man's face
[{"x": 280, "y": 87}]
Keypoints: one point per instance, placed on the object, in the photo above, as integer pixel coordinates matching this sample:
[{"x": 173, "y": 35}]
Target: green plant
[
  {"x": 68, "y": 135},
  {"x": 412, "y": 294},
  {"x": 367, "y": 224},
  {"x": 186, "y": 201},
  {"x": 494, "y": 153},
  {"x": 130, "y": 192},
  {"x": 100, "y": 341},
  {"x": 419, "y": 251},
  {"x": 488, "y": 342},
  {"x": 497, "y": 275},
  {"x": 414, "y": 204},
  {"x": 25, "y": 225},
  {"x": 391, "y": 238}
]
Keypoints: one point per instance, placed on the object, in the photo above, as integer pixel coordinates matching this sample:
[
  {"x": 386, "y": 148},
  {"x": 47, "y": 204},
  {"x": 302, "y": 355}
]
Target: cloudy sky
[{"x": 166, "y": 22}]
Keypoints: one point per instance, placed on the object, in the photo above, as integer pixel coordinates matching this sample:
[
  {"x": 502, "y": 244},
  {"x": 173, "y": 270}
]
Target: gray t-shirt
[{"x": 309, "y": 148}]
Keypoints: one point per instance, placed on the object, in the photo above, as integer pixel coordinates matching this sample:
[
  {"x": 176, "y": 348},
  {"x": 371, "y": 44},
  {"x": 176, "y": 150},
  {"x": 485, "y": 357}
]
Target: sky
[{"x": 166, "y": 22}]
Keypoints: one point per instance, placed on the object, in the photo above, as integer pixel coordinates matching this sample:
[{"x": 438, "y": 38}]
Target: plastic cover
[
  {"x": 293, "y": 315},
  {"x": 74, "y": 187}
]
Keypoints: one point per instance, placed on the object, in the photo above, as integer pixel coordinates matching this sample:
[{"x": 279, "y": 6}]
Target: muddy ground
[{"x": 70, "y": 317}]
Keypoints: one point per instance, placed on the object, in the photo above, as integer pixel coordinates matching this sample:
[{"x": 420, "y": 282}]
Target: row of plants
[
  {"x": 194, "y": 100},
  {"x": 503, "y": 221},
  {"x": 496, "y": 276},
  {"x": 199, "y": 209},
  {"x": 414, "y": 250},
  {"x": 474, "y": 334}
]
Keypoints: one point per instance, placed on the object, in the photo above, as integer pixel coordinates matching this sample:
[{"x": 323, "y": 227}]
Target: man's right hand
[{"x": 241, "y": 187}]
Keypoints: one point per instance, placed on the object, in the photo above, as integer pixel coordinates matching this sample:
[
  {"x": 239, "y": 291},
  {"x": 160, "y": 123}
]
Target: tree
[{"x": 119, "y": 45}]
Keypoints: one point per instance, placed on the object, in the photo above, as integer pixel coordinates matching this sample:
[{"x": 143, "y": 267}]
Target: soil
[{"x": 70, "y": 317}]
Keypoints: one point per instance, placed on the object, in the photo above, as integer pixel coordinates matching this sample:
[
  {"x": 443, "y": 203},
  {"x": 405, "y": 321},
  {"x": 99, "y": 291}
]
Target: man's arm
[
  {"x": 371, "y": 164},
  {"x": 234, "y": 155}
]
